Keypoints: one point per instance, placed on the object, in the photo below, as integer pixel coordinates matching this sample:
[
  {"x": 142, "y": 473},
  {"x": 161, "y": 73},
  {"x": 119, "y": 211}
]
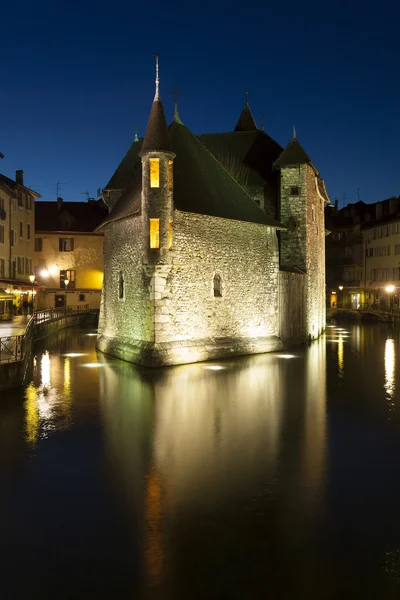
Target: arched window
[
  {"x": 217, "y": 285},
  {"x": 121, "y": 286}
]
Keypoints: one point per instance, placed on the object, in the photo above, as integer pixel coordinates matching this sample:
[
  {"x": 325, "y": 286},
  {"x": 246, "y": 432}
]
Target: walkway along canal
[{"x": 18, "y": 337}]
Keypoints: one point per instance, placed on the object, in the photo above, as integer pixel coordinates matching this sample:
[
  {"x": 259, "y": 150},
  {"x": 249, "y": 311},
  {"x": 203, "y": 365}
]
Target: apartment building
[
  {"x": 17, "y": 230},
  {"x": 68, "y": 253}
]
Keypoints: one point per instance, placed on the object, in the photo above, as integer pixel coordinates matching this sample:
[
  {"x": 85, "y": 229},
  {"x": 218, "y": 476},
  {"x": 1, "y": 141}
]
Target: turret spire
[
  {"x": 247, "y": 98},
  {"x": 157, "y": 94},
  {"x": 294, "y": 131},
  {"x": 136, "y": 139},
  {"x": 246, "y": 120}
]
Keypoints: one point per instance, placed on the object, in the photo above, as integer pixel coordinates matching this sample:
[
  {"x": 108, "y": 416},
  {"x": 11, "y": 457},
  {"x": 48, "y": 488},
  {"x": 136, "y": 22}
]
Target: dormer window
[
  {"x": 294, "y": 191},
  {"x": 154, "y": 172},
  {"x": 170, "y": 174}
]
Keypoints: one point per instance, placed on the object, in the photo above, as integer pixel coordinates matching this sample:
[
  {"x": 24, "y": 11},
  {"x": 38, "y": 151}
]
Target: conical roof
[
  {"x": 293, "y": 154},
  {"x": 246, "y": 120},
  {"x": 156, "y": 138}
]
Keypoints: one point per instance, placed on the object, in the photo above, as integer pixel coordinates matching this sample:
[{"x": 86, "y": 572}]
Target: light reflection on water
[{"x": 248, "y": 475}]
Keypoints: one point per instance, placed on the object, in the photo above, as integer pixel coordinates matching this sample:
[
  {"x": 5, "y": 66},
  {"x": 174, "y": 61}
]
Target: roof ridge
[{"x": 229, "y": 175}]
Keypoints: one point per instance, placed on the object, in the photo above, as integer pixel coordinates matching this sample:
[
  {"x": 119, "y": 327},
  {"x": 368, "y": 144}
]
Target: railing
[
  {"x": 13, "y": 347},
  {"x": 51, "y": 314}
]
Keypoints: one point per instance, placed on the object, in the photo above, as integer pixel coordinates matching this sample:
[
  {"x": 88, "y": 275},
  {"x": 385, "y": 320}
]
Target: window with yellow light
[
  {"x": 155, "y": 233},
  {"x": 170, "y": 174},
  {"x": 154, "y": 164}
]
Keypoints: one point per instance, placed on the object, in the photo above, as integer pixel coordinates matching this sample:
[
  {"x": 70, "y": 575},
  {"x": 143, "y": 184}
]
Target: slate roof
[
  {"x": 156, "y": 137},
  {"x": 73, "y": 216},
  {"x": 293, "y": 154},
  {"x": 246, "y": 121},
  {"x": 201, "y": 185},
  {"x": 126, "y": 169}
]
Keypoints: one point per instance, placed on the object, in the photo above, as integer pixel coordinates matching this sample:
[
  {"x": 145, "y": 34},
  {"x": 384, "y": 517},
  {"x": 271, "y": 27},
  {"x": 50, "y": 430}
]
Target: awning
[{"x": 5, "y": 295}]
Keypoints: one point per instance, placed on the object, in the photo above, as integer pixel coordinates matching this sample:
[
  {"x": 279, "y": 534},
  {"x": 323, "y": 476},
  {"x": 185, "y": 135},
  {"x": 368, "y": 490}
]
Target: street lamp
[
  {"x": 390, "y": 290},
  {"x": 341, "y": 296},
  {"x": 66, "y": 282},
  {"x": 32, "y": 279}
]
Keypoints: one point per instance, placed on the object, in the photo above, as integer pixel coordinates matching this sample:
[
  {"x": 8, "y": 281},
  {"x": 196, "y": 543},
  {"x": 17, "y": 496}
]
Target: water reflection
[{"x": 390, "y": 361}]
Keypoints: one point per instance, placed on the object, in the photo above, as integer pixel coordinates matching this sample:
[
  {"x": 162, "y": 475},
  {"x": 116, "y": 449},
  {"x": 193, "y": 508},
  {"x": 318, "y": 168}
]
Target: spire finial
[
  {"x": 294, "y": 131},
  {"x": 136, "y": 139},
  {"x": 262, "y": 123},
  {"x": 247, "y": 98},
  {"x": 175, "y": 92},
  {"x": 157, "y": 95}
]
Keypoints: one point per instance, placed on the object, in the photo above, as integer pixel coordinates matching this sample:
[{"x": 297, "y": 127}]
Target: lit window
[
  {"x": 154, "y": 173},
  {"x": 155, "y": 233},
  {"x": 170, "y": 235},
  {"x": 217, "y": 284},
  {"x": 170, "y": 174}
]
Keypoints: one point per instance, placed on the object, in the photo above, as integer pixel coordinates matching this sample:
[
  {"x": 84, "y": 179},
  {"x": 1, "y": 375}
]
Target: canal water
[{"x": 272, "y": 476}]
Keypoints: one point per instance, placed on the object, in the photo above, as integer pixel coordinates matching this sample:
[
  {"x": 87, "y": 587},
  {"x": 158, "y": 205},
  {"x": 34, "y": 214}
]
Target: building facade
[
  {"x": 68, "y": 253},
  {"x": 17, "y": 231},
  {"x": 214, "y": 245}
]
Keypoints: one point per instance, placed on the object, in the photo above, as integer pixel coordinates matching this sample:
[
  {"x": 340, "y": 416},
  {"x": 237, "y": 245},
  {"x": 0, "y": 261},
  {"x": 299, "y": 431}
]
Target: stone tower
[{"x": 302, "y": 245}]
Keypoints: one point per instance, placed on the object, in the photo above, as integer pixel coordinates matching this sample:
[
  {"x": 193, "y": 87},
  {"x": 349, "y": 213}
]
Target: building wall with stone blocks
[
  {"x": 244, "y": 255},
  {"x": 292, "y": 307},
  {"x": 132, "y": 316},
  {"x": 302, "y": 246}
]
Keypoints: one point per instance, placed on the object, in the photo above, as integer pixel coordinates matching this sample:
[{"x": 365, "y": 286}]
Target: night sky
[{"x": 78, "y": 76}]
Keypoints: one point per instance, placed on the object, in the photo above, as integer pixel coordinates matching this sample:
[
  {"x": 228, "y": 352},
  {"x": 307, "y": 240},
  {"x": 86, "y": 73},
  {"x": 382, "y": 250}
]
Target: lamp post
[
  {"x": 390, "y": 290},
  {"x": 341, "y": 296},
  {"x": 32, "y": 279},
  {"x": 66, "y": 282}
]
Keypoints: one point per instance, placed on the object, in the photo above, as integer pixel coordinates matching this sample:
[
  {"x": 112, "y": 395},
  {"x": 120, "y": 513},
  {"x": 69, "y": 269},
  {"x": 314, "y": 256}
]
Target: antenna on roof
[
  {"x": 85, "y": 194},
  {"x": 59, "y": 184},
  {"x": 157, "y": 95}
]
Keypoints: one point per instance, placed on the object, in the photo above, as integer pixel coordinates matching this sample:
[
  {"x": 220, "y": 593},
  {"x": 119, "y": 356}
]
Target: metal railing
[{"x": 13, "y": 347}]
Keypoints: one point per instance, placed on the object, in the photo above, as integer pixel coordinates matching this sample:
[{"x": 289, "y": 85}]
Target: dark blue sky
[{"x": 78, "y": 76}]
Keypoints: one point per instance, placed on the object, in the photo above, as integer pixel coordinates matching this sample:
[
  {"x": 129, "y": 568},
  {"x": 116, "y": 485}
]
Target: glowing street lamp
[
  {"x": 32, "y": 279},
  {"x": 66, "y": 282},
  {"x": 340, "y": 296},
  {"x": 390, "y": 290}
]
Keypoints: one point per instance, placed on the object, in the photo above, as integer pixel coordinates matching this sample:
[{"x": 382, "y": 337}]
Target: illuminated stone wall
[{"x": 303, "y": 244}]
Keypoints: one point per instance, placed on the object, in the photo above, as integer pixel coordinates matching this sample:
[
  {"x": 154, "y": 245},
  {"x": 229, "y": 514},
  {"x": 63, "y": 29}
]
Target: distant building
[
  {"x": 68, "y": 256},
  {"x": 17, "y": 230},
  {"x": 214, "y": 245}
]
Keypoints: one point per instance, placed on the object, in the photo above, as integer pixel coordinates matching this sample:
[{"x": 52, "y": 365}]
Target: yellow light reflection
[
  {"x": 45, "y": 370},
  {"x": 31, "y": 414},
  {"x": 390, "y": 356},
  {"x": 340, "y": 356},
  {"x": 154, "y": 552}
]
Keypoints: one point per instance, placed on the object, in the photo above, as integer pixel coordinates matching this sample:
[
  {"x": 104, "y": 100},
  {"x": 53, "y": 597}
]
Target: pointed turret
[
  {"x": 246, "y": 120},
  {"x": 156, "y": 138},
  {"x": 293, "y": 154}
]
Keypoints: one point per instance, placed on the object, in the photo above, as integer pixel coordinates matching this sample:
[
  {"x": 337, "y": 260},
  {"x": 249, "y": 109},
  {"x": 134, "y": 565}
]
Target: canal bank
[{"x": 17, "y": 339}]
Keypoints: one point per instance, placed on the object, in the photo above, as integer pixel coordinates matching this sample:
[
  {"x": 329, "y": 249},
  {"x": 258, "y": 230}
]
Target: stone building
[
  {"x": 68, "y": 257},
  {"x": 17, "y": 230},
  {"x": 214, "y": 245}
]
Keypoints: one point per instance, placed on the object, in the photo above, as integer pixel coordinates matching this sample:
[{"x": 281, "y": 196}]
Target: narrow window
[
  {"x": 28, "y": 231},
  {"x": 38, "y": 244},
  {"x": 154, "y": 172},
  {"x": 170, "y": 235},
  {"x": 21, "y": 229},
  {"x": 170, "y": 174},
  {"x": 217, "y": 286},
  {"x": 121, "y": 286},
  {"x": 1, "y": 234},
  {"x": 154, "y": 233},
  {"x": 81, "y": 297},
  {"x": 294, "y": 191}
]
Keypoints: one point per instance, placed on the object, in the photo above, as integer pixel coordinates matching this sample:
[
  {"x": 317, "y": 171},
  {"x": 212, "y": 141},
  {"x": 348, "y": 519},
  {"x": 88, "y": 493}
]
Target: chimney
[
  {"x": 59, "y": 204},
  {"x": 19, "y": 177}
]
